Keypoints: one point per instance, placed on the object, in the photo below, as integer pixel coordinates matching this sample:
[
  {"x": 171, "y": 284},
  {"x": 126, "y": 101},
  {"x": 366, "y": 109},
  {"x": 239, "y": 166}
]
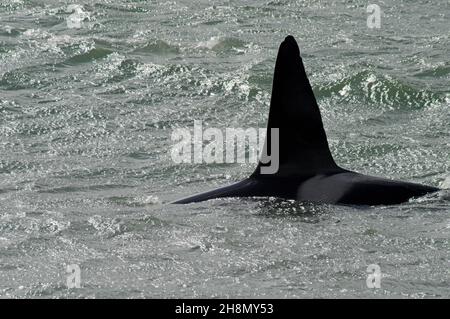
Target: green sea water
[{"x": 90, "y": 92}]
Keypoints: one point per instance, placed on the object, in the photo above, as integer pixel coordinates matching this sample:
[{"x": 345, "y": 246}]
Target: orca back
[{"x": 306, "y": 168}]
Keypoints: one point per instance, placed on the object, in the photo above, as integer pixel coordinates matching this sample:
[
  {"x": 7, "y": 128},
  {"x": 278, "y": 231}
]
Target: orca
[{"x": 307, "y": 170}]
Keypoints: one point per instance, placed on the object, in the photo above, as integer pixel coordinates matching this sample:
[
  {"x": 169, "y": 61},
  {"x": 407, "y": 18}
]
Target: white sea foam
[
  {"x": 77, "y": 17},
  {"x": 209, "y": 44},
  {"x": 150, "y": 199},
  {"x": 445, "y": 183}
]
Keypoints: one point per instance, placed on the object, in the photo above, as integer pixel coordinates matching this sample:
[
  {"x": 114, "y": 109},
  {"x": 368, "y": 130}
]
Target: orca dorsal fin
[{"x": 303, "y": 145}]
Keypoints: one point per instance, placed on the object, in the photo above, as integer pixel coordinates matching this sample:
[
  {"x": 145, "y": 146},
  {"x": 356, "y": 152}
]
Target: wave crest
[{"x": 378, "y": 89}]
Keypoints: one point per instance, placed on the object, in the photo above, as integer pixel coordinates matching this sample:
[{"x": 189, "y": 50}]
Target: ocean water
[{"x": 90, "y": 92}]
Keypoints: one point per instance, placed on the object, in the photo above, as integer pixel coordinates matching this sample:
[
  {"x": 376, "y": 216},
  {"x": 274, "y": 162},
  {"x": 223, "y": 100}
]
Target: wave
[
  {"x": 382, "y": 90},
  {"x": 222, "y": 45},
  {"x": 158, "y": 47},
  {"x": 435, "y": 72},
  {"x": 25, "y": 78},
  {"x": 89, "y": 56}
]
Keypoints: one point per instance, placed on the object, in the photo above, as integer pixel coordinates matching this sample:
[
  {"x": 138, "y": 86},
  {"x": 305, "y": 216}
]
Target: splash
[
  {"x": 77, "y": 17},
  {"x": 445, "y": 184}
]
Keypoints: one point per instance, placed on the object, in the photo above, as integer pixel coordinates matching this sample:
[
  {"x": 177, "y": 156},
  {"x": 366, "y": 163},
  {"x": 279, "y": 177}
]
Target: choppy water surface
[{"x": 90, "y": 92}]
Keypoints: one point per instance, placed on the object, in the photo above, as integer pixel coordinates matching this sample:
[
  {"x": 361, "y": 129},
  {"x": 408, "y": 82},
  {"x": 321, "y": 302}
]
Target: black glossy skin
[
  {"x": 340, "y": 188},
  {"x": 307, "y": 171}
]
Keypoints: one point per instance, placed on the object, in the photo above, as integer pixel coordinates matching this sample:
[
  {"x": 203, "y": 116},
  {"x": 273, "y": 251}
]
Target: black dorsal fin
[{"x": 303, "y": 145}]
